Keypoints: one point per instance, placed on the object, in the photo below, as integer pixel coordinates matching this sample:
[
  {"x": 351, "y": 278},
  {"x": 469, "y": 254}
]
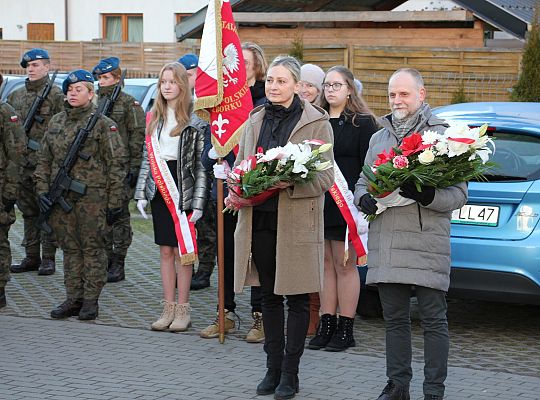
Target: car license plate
[{"x": 476, "y": 215}]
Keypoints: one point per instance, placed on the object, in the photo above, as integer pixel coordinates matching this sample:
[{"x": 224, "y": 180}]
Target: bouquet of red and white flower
[
  {"x": 429, "y": 159},
  {"x": 259, "y": 177}
]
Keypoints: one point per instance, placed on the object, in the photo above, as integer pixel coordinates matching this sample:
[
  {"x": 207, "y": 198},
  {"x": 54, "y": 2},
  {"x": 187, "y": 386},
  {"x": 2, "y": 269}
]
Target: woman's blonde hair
[{"x": 182, "y": 110}]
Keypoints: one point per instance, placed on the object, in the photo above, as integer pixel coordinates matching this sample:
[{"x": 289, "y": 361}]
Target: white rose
[{"x": 426, "y": 157}]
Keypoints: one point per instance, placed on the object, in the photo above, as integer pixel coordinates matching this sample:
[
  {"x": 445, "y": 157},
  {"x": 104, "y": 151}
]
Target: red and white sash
[
  {"x": 356, "y": 224},
  {"x": 185, "y": 230}
]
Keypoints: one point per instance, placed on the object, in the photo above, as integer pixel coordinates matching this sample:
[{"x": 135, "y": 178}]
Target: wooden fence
[{"x": 484, "y": 74}]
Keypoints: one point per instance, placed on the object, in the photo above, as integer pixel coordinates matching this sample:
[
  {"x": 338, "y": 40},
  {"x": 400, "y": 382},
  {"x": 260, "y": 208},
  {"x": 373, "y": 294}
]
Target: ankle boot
[
  {"x": 394, "y": 392},
  {"x": 89, "y": 310},
  {"x": 116, "y": 271},
  {"x": 47, "y": 267},
  {"x": 270, "y": 382},
  {"x": 182, "y": 318},
  {"x": 167, "y": 316},
  {"x": 325, "y": 330},
  {"x": 29, "y": 263},
  {"x": 288, "y": 386},
  {"x": 314, "y": 307},
  {"x": 343, "y": 336},
  {"x": 200, "y": 280},
  {"x": 67, "y": 309},
  {"x": 2, "y": 297}
]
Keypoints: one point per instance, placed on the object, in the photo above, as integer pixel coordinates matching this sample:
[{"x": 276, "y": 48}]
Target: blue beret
[
  {"x": 106, "y": 65},
  {"x": 189, "y": 61},
  {"x": 32, "y": 55},
  {"x": 79, "y": 75}
]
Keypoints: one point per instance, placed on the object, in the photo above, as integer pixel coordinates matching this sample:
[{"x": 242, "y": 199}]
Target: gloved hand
[
  {"x": 221, "y": 171},
  {"x": 44, "y": 203},
  {"x": 195, "y": 215},
  {"x": 212, "y": 154},
  {"x": 368, "y": 205},
  {"x": 131, "y": 179},
  {"x": 113, "y": 215},
  {"x": 8, "y": 204},
  {"x": 425, "y": 197},
  {"x": 141, "y": 205}
]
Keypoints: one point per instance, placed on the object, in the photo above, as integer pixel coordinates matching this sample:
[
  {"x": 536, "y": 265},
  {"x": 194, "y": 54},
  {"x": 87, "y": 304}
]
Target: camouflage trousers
[
  {"x": 33, "y": 235},
  {"x": 120, "y": 236},
  {"x": 6, "y": 219},
  {"x": 81, "y": 235},
  {"x": 206, "y": 238}
]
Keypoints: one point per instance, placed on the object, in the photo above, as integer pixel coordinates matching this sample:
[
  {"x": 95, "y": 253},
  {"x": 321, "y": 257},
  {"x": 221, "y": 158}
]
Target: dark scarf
[
  {"x": 278, "y": 124},
  {"x": 276, "y": 129}
]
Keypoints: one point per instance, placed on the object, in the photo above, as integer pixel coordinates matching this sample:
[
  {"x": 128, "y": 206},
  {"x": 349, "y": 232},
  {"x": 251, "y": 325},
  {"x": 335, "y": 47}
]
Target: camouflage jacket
[
  {"x": 12, "y": 151},
  {"x": 129, "y": 116},
  {"x": 108, "y": 156},
  {"x": 21, "y": 100}
]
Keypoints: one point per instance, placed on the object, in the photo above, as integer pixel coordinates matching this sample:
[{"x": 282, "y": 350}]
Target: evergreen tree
[{"x": 528, "y": 86}]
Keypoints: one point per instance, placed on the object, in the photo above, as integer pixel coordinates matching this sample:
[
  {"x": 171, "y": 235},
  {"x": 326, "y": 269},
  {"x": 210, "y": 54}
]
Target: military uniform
[
  {"x": 12, "y": 151},
  {"x": 21, "y": 100},
  {"x": 130, "y": 119},
  {"x": 81, "y": 231}
]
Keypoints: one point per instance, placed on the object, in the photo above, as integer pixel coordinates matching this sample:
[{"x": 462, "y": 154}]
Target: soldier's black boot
[
  {"x": 201, "y": 280},
  {"x": 47, "y": 267},
  {"x": 89, "y": 310},
  {"x": 67, "y": 309},
  {"x": 288, "y": 386},
  {"x": 116, "y": 271},
  {"x": 270, "y": 382},
  {"x": 325, "y": 330},
  {"x": 394, "y": 392},
  {"x": 2, "y": 297},
  {"x": 29, "y": 263},
  {"x": 343, "y": 337}
]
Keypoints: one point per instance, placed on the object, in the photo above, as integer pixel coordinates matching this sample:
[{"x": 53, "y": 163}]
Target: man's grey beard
[{"x": 401, "y": 114}]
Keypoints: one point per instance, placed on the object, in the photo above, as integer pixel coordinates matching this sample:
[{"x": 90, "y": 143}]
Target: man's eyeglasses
[{"x": 335, "y": 86}]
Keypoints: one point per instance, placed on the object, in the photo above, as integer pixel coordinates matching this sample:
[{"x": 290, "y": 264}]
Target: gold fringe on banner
[
  {"x": 222, "y": 151},
  {"x": 188, "y": 259}
]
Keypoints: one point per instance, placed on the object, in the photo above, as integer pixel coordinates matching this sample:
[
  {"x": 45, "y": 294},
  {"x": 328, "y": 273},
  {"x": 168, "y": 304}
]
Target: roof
[
  {"x": 191, "y": 27},
  {"x": 511, "y": 16}
]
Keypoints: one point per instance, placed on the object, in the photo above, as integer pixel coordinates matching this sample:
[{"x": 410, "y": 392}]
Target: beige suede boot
[
  {"x": 182, "y": 318},
  {"x": 167, "y": 316}
]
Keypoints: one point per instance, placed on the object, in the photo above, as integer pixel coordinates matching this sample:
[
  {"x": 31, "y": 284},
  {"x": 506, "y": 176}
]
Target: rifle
[
  {"x": 34, "y": 110},
  {"x": 62, "y": 182},
  {"x": 108, "y": 103}
]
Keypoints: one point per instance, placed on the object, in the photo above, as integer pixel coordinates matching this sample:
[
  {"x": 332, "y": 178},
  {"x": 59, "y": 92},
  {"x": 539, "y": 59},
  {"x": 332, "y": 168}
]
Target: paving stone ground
[{"x": 495, "y": 349}]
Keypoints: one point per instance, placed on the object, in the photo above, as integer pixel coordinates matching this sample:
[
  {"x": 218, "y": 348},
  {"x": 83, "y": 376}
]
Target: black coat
[{"x": 351, "y": 144}]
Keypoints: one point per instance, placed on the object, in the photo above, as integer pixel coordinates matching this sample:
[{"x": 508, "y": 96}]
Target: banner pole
[{"x": 220, "y": 259}]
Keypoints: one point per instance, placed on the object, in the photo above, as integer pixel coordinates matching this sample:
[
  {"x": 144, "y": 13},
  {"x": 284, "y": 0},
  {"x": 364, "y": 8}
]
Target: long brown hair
[
  {"x": 355, "y": 103},
  {"x": 260, "y": 64},
  {"x": 182, "y": 111}
]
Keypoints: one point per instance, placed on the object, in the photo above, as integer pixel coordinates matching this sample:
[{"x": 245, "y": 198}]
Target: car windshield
[
  {"x": 136, "y": 91},
  {"x": 517, "y": 157}
]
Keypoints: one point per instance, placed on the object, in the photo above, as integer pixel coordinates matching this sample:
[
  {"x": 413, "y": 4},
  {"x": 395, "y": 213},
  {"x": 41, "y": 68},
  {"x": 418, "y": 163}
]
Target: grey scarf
[{"x": 403, "y": 126}]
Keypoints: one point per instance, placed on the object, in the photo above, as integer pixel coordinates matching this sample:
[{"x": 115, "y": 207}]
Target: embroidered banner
[{"x": 222, "y": 96}]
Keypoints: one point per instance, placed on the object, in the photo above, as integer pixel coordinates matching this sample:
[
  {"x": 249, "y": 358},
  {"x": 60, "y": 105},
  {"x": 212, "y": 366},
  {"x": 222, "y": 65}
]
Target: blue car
[{"x": 496, "y": 236}]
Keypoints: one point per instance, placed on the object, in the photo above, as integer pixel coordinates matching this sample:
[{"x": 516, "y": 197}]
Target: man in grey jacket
[{"x": 409, "y": 247}]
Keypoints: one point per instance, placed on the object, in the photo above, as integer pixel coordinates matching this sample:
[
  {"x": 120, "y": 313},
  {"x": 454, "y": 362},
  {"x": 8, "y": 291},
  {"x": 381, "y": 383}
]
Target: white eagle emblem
[{"x": 231, "y": 63}]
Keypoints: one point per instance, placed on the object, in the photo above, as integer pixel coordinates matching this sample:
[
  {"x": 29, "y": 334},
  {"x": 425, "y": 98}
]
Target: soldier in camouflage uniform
[
  {"x": 81, "y": 231},
  {"x": 37, "y": 64},
  {"x": 206, "y": 226},
  {"x": 12, "y": 152},
  {"x": 130, "y": 119}
]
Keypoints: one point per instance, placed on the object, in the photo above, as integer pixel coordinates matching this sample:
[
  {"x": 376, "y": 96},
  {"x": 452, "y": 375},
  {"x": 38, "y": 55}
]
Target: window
[
  {"x": 40, "y": 31},
  {"x": 123, "y": 27},
  {"x": 181, "y": 16}
]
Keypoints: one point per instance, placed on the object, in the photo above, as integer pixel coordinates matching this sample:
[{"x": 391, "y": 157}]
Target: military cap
[
  {"x": 189, "y": 61},
  {"x": 32, "y": 55},
  {"x": 79, "y": 75},
  {"x": 106, "y": 65}
]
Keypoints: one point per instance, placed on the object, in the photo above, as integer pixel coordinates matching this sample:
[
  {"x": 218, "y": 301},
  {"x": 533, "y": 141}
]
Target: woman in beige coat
[{"x": 284, "y": 235}]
